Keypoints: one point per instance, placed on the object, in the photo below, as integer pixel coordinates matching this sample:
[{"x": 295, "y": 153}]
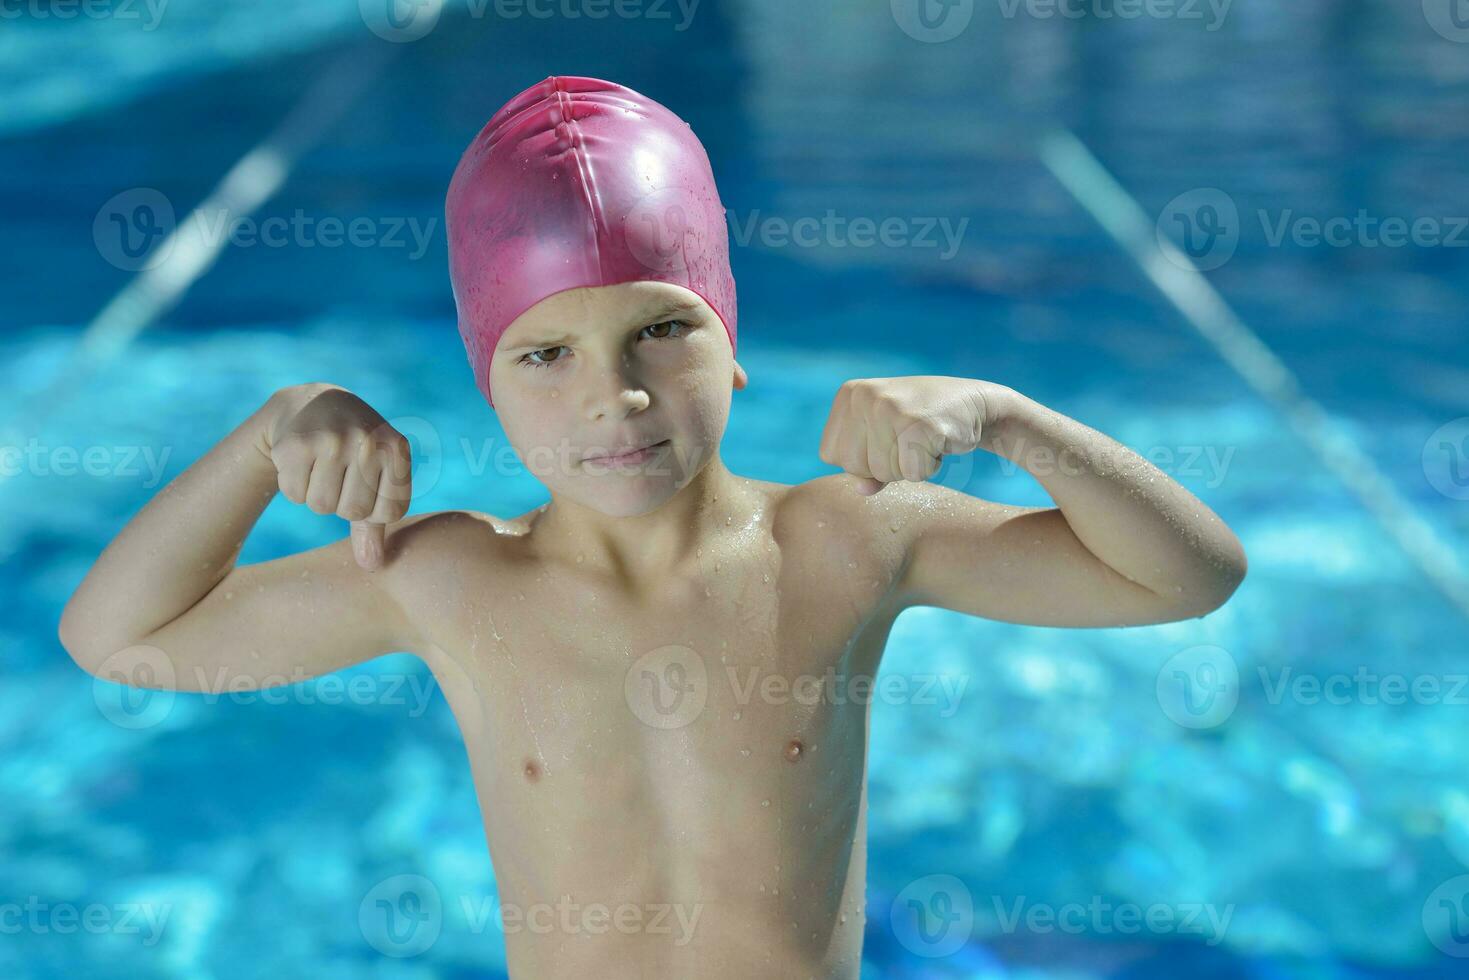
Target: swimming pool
[{"x": 1323, "y": 825}]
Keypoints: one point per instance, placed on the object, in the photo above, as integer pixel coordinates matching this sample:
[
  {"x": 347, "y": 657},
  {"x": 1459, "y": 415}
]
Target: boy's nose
[{"x": 616, "y": 394}]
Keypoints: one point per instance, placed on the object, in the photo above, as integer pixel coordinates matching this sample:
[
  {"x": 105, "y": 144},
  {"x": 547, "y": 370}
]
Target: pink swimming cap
[{"x": 580, "y": 182}]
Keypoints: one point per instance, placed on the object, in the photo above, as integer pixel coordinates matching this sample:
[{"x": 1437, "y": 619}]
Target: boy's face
[{"x": 590, "y": 372}]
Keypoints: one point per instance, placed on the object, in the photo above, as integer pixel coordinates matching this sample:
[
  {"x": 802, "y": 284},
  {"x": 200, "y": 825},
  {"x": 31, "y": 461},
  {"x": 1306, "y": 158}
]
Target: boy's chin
[{"x": 630, "y": 495}]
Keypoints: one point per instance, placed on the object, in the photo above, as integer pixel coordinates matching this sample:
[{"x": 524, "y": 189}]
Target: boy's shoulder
[{"x": 445, "y": 538}]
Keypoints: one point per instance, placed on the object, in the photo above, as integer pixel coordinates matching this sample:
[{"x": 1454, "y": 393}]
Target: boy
[{"x": 605, "y": 654}]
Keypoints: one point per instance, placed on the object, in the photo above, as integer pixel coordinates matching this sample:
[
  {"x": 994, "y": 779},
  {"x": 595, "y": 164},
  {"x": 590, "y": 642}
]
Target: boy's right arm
[{"x": 167, "y": 590}]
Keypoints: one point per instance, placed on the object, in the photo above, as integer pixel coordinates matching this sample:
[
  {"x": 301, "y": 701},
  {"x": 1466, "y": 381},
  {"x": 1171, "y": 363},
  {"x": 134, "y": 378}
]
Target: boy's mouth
[{"x": 626, "y": 455}]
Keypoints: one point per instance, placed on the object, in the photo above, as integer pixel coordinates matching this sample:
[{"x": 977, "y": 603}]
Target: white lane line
[{"x": 1176, "y": 277}]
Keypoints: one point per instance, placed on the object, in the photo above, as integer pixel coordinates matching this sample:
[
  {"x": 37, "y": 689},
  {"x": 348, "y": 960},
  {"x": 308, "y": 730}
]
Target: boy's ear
[{"x": 740, "y": 378}]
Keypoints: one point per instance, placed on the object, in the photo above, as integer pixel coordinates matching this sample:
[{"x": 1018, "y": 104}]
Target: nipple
[
  {"x": 532, "y": 770},
  {"x": 794, "y": 748}
]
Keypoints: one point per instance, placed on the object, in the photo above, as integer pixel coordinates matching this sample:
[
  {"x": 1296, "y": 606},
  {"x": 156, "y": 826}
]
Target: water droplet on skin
[
  {"x": 745, "y": 753},
  {"x": 764, "y": 802},
  {"x": 229, "y": 595},
  {"x": 580, "y": 558},
  {"x": 736, "y": 716}
]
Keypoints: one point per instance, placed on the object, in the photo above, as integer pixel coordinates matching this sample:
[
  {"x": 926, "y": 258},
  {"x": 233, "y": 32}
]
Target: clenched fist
[
  {"x": 335, "y": 454},
  {"x": 882, "y": 430}
]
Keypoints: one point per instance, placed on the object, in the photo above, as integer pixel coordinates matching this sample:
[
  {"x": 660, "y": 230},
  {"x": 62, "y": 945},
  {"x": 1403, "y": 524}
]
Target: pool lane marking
[
  {"x": 253, "y": 180},
  {"x": 1191, "y": 293}
]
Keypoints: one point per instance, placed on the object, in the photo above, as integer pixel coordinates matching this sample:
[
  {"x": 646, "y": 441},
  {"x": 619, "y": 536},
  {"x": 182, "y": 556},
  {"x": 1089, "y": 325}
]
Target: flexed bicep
[{"x": 1014, "y": 564}]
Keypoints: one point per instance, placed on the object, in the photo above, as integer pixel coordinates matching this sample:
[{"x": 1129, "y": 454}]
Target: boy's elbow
[
  {"x": 80, "y": 645},
  {"x": 68, "y": 636},
  {"x": 1226, "y": 583}
]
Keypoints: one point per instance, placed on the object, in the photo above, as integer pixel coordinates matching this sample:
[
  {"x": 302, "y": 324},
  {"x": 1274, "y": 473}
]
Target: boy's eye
[
  {"x": 656, "y": 331},
  {"x": 664, "y": 329},
  {"x": 536, "y": 358}
]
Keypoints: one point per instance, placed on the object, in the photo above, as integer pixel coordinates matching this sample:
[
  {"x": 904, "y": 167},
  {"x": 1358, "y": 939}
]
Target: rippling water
[{"x": 1061, "y": 779}]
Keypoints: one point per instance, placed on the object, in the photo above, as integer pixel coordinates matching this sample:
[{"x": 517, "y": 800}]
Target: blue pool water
[{"x": 1331, "y": 834}]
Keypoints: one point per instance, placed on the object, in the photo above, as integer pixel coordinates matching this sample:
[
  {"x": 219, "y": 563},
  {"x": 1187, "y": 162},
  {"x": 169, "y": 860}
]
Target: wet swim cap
[{"x": 580, "y": 182}]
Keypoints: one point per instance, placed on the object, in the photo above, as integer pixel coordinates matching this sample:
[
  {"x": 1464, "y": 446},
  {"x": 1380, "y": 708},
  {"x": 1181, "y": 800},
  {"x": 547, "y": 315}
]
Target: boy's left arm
[{"x": 1126, "y": 545}]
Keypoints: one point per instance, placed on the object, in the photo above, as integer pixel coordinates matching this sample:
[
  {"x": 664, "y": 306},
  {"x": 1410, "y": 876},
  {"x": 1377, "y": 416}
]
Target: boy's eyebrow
[
  {"x": 658, "y": 308},
  {"x": 668, "y": 306}
]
